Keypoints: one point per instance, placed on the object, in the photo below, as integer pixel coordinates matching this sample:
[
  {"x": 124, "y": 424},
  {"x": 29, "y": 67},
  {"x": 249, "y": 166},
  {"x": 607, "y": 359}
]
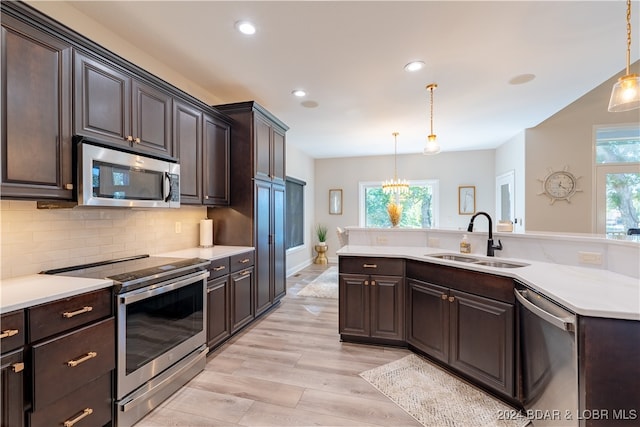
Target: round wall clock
[{"x": 559, "y": 185}]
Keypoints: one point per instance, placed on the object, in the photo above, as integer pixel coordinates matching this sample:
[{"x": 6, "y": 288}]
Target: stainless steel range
[{"x": 161, "y": 336}]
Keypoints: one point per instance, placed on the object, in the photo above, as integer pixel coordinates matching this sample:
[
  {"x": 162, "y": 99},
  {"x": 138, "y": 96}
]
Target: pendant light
[
  {"x": 395, "y": 185},
  {"x": 432, "y": 146},
  {"x": 625, "y": 95}
]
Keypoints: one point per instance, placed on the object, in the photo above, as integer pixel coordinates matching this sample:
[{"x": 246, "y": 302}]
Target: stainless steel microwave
[{"x": 114, "y": 178}]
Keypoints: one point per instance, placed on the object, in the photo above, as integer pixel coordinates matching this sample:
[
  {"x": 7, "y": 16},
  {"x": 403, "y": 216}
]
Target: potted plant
[{"x": 321, "y": 232}]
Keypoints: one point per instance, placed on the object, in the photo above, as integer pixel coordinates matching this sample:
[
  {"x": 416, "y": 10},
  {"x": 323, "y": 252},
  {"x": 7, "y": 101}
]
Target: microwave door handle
[{"x": 168, "y": 178}]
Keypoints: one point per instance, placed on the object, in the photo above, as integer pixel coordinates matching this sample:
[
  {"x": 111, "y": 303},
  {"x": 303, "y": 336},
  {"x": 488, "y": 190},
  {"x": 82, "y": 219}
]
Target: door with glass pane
[{"x": 617, "y": 199}]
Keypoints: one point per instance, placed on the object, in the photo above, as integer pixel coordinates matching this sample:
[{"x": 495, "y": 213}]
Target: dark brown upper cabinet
[
  {"x": 36, "y": 120},
  {"x": 113, "y": 107},
  {"x": 215, "y": 161},
  {"x": 187, "y": 145}
]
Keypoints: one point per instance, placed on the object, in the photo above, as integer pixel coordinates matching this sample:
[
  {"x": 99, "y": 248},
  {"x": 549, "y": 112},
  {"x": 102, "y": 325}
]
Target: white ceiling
[{"x": 349, "y": 57}]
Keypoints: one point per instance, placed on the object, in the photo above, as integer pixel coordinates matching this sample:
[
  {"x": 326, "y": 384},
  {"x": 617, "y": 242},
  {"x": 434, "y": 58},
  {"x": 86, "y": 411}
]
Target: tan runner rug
[
  {"x": 323, "y": 286},
  {"x": 437, "y": 399}
]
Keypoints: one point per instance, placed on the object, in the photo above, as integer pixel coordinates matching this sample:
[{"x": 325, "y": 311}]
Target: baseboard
[{"x": 292, "y": 270}]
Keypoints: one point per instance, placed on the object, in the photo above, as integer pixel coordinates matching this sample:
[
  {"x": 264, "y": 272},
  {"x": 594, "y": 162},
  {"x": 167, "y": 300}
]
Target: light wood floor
[{"x": 287, "y": 369}]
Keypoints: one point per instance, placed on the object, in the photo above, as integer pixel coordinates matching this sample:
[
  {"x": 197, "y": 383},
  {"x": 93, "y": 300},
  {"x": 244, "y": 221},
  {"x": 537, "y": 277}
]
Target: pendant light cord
[{"x": 628, "y": 34}]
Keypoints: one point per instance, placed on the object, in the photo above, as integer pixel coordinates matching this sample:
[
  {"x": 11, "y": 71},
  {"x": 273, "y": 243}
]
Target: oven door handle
[{"x": 162, "y": 288}]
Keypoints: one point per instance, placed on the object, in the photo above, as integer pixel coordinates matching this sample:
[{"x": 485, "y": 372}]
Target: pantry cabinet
[
  {"x": 472, "y": 332},
  {"x": 36, "y": 113},
  {"x": 371, "y": 295},
  {"x": 256, "y": 213},
  {"x": 113, "y": 107}
]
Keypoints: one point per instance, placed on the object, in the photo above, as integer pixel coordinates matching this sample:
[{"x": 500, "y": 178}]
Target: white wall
[
  {"x": 301, "y": 166},
  {"x": 566, "y": 138},
  {"x": 452, "y": 169},
  {"x": 510, "y": 156}
]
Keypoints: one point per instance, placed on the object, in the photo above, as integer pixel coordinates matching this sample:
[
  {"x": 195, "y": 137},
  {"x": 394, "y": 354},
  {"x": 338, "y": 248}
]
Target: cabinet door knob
[
  {"x": 366, "y": 283},
  {"x": 137, "y": 140},
  {"x": 373, "y": 283},
  {"x": 443, "y": 296},
  {"x": 18, "y": 367},
  {"x": 451, "y": 299},
  {"x": 129, "y": 138},
  {"x": 68, "y": 186}
]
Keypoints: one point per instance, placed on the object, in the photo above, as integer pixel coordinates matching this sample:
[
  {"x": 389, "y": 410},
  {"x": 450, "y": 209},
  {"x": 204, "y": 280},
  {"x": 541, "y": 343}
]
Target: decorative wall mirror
[{"x": 335, "y": 201}]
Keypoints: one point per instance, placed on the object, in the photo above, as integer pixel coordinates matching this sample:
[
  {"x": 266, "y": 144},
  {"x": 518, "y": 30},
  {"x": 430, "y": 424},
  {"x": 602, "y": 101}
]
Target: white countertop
[
  {"x": 586, "y": 291},
  {"x": 214, "y": 252},
  {"x": 26, "y": 291}
]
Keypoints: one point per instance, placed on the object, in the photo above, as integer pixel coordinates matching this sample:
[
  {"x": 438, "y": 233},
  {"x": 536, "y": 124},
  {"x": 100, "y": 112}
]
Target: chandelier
[
  {"x": 432, "y": 146},
  {"x": 395, "y": 186},
  {"x": 625, "y": 95}
]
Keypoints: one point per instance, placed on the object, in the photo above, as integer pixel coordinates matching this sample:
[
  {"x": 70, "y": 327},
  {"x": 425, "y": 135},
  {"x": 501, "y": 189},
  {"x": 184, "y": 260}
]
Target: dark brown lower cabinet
[
  {"x": 12, "y": 389},
  {"x": 242, "y": 313},
  {"x": 218, "y": 316},
  {"x": 371, "y": 306},
  {"x": 470, "y": 333}
]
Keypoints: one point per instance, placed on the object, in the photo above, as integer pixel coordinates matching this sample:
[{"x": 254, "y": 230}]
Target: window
[
  {"x": 419, "y": 206},
  {"x": 294, "y": 234},
  {"x": 617, "y": 171}
]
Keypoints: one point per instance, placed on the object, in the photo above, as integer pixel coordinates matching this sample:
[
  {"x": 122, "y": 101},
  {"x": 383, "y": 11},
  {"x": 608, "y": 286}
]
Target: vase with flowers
[{"x": 395, "y": 213}]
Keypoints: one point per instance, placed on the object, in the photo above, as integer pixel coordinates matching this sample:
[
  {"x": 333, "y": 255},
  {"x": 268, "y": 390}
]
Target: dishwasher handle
[{"x": 565, "y": 323}]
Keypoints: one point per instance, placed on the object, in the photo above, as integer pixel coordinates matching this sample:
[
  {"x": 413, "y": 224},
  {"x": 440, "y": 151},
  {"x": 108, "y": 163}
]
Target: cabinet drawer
[
  {"x": 64, "y": 364},
  {"x": 62, "y": 315},
  {"x": 372, "y": 265},
  {"x": 12, "y": 330},
  {"x": 218, "y": 268},
  {"x": 241, "y": 261},
  {"x": 88, "y": 406}
]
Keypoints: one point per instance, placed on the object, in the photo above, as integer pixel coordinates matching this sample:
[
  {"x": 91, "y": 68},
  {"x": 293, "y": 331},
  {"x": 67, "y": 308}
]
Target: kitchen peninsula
[{"x": 463, "y": 311}]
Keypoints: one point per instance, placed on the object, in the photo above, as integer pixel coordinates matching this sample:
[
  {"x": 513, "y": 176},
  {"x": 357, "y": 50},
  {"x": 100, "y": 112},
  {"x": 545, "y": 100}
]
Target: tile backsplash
[{"x": 34, "y": 239}]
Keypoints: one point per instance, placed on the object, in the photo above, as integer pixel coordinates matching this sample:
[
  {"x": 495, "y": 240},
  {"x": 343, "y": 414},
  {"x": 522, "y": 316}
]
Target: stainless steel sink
[
  {"x": 501, "y": 264},
  {"x": 454, "y": 257},
  {"x": 478, "y": 261}
]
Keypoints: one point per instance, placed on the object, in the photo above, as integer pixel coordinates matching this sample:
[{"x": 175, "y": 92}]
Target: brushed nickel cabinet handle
[
  {"x": 70, "y": 314},
  {"x": 8, "y": 333},
  {"x": 76, "y": 362},
  {"x": 85, "y": 413},
  {"x": 220, "y": 268},
  {"x": 369, "y": 266},
  {"x": 18, "y": 367}
]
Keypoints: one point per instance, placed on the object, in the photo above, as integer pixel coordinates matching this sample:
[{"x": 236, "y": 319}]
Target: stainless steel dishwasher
[{"x": 549, "y": 355}]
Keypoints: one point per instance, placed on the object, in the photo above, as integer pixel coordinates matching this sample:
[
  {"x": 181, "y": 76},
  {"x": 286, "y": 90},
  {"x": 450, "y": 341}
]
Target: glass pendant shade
[
  {"x": 625, "y": 95},
  {"x": 432, "y": 146}
]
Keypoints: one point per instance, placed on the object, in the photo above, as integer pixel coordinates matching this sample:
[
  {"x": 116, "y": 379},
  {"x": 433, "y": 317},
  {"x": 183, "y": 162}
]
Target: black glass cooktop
[{"x": 140, "y": 269}]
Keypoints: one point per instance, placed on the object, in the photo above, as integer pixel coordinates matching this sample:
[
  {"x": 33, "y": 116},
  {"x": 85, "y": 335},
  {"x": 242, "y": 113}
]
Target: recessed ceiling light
[
  {"x": 299, "y": 93},
  {"x": 414, "y": 66},
  {"x": 246, "y": 27},
  {"x": 522, "y": 79}
]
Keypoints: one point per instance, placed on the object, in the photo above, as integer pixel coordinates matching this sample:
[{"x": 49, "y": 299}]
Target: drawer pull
[
  {"x": 246, "y": 272},
  {"x": 9, "y": 333},
  {"x": 70, "y": 314},
  {"x": 244, "y": 261},
  {"x": 369, "y": 266},
  {"x": 18, "y": 367},
  {"x": 83, "y": 359},
  {"x": 220, "y": 268},
  {"x": 85, "y": 413}
]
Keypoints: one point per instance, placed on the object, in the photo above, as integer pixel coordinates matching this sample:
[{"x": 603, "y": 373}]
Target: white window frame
[{"x": 435, "y": 200}]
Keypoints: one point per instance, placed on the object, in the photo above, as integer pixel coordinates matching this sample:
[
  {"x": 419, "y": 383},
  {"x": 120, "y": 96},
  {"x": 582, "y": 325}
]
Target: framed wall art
[
  {"x": 335, "y": 201},
  {"x": 467, "y": 199}
]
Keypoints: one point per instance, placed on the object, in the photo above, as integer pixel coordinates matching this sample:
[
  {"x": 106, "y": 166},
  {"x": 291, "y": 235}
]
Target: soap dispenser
[{"x": 465, "y": 246}]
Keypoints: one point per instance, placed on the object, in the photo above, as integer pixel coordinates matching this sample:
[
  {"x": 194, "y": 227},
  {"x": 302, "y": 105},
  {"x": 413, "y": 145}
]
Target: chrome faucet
[{"x": 490, "y": 246}]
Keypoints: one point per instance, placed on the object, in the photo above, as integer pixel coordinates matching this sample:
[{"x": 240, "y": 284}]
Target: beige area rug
[
  {"x": 323, "y": 286},
  {"x": 437, "y": 399}
]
